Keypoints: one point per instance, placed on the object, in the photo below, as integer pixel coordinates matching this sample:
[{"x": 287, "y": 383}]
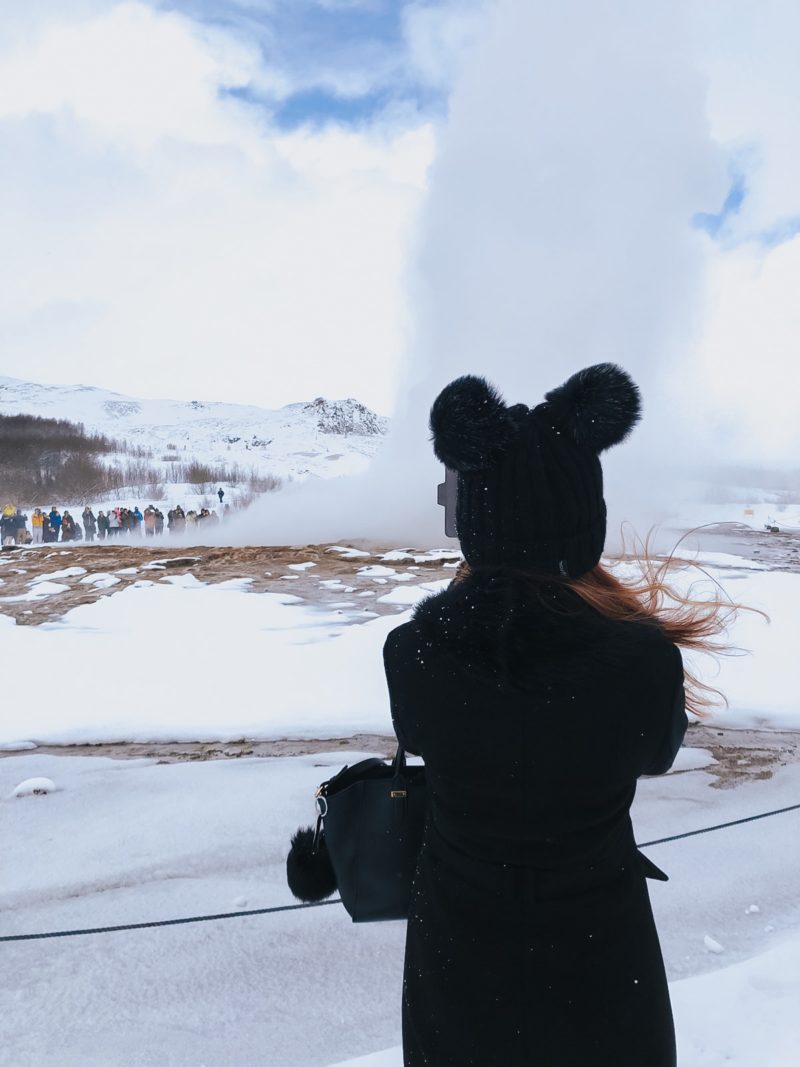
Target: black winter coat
[{"x": 530, "y": 938}]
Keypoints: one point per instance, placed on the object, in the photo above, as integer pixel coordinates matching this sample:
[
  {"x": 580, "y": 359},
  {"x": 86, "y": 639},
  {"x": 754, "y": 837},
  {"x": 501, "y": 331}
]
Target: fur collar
[{"x": 498, "y": 623}]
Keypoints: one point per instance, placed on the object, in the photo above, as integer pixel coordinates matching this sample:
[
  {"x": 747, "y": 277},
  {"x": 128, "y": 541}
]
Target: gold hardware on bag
[{"x": 397, "y": 793}]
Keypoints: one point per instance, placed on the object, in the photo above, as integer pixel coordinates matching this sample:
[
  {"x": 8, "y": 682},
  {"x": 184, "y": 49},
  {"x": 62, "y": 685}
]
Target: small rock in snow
[
  {"x": 768, "y": 928},
  {"x": 35, "y": 787},
  {"x": 712, "y": 945},
  {"x": 752, "y": 909},
  {"x": 240, "y": 902}
]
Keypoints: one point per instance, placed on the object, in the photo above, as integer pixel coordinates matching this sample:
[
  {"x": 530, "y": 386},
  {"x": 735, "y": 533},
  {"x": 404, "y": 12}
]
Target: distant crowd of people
[{"x": 48, "y": 526}]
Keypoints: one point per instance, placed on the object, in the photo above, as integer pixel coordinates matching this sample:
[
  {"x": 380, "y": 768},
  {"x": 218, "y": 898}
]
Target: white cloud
[
  {"x": 441, "y": 36},
  {"x": 748, "y": 49},
  {"x": 133, "y": 76},
  {"x": 748, "y": 381},
  {"x": 744, "y": 381},
  {"x": 168, "y": 241}
]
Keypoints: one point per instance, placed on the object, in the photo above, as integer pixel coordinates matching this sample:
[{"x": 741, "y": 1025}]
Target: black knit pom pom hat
[{"x": 530, "y": 484}]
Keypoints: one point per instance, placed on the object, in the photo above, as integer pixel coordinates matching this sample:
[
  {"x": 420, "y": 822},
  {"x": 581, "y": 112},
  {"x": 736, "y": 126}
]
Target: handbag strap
[
  {"x": 347, "y": 775},
  {"x": 399, "y": 762}
]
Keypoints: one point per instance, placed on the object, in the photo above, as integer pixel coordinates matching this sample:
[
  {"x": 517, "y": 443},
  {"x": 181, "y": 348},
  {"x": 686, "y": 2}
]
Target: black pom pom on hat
[
  {"x": 598, "y": 406},
  {"x": 470, "y": 424},
  {"x": 309, "y": 871}
]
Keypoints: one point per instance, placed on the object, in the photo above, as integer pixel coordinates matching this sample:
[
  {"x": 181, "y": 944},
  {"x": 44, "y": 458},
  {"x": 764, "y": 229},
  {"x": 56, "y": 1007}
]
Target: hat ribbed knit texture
[{"x": 539, "y": 508}]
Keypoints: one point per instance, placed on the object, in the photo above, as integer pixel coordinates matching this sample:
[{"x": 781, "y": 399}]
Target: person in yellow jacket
[{"x": 37, "y": 524}]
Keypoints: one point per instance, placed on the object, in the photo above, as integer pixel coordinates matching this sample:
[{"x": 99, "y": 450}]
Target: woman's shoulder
[
  {"x": 490, "y": 622},
  {"x": 402, "y": 640}
]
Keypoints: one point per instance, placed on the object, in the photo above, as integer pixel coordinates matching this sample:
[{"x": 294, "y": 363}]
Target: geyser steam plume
[{"x": 556, "y": 233}]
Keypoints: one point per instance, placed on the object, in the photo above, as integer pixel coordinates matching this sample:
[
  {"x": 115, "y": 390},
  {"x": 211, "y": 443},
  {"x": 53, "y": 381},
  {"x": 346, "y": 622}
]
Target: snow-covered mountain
[{"x": 322, "y": 437}]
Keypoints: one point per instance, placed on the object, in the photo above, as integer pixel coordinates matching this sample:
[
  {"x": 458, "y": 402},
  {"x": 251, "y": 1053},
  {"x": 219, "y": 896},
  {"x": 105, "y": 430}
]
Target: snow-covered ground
[
  {"x": 134, "y": 841},
  {"x": 129, "y": 841},
  {"x": 171, "y": 658}
]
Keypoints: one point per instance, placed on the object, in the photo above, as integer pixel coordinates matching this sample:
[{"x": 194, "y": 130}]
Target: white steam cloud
[{"x": 557, "y": 233}]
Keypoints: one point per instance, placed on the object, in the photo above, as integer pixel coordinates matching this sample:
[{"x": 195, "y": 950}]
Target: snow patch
[
  {"x": 100, "y": 580},
  {"x": 346, "y": 551},
  {"x": 39, "y": 592},
  {"x": 692, "y": 759},
  {"x": 67, "y": 572},
  {"x": 375, "y": 570},
  {"x": 35, "y": 787}
]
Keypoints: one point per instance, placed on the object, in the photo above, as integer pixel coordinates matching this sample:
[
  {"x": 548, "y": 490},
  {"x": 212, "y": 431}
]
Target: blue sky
[
  {"x": 721, "y": 224},
  {"x": 346, "y": 60}
]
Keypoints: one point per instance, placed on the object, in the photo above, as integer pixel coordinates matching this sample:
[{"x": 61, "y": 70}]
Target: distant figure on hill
[
  {"x": 8, "y": 525},
  {"x": 89, "y": 523},
  {"x": 21, "y": 535},
  {"x": 55, "y": 521},
  {"x": 67, "y": 527},
  {"x": 48, "y": 534},
  {"x": 176, "y": 520},
  {"x": 37, "y": 522}
]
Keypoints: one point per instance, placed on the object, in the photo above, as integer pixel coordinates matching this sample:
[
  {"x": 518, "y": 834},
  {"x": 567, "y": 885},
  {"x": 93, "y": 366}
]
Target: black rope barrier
[
  {"x": 166, "y": 922},
  {"x": 337, "y": 900}
]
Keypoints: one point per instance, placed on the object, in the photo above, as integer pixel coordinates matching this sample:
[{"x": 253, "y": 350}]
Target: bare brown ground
[
  {"x": 266, "y": 566},
  {"x": 744, "y": 755},
  {"x": 741, "y": 755},
  {"x": 188, "y": 751}
]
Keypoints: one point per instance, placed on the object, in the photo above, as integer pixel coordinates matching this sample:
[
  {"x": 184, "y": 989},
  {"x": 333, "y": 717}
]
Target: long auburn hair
[{"x": 697, "y": 624}]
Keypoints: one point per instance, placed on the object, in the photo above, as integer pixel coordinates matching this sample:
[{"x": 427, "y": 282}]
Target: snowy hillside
[{"x": 321, "y": 437}]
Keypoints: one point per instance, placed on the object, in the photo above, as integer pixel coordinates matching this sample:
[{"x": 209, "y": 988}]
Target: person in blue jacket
[{"x": 55, "y": 521}]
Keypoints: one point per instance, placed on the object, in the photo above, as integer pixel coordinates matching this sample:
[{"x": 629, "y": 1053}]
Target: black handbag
[{"x": 368, "y": 834}]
